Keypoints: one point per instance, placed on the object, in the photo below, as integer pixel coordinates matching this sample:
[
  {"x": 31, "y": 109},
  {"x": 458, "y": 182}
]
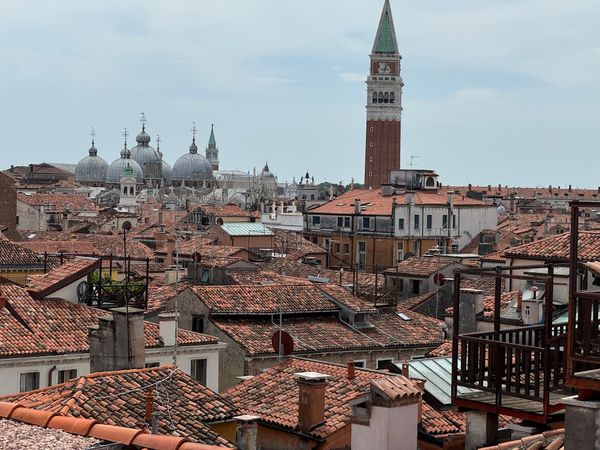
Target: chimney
[
  {"x": 470, "y": 187},
  {"x": 246, "y": 432},
  {"x": 117, "y": 342},
  {"x": 311, "y": 401},
  {"x": 65, "y": 221},
  {"x": 519, "y": 301},
  {"x": 489, "y": 188},
  {"x": 405, "y": 369},
  {"x": 170, "y": 251},
  {"x": 351, "y": 370},
  {"x": 167, "y": 323},
  {"x": 471, "y": 304},
  {"x": 582, "y": 419},
  {"x": 570, "y": 188},
  {"x": 356, "y": 206}
]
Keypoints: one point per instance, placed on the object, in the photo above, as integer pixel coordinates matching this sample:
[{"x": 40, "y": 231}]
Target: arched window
[
  {"x": 374, "y": 97},
  {"x": 386, "y": 98},
  {"x": 312, "y": 197},
  {"x": 125, "y": 190},
  {"x": 131, "y": 190},
  {"x": 392, "y": 97}
]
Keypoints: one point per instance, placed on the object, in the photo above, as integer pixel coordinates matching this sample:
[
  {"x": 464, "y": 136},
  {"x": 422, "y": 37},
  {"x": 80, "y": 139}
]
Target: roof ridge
[{"x": 125, "y": 371}]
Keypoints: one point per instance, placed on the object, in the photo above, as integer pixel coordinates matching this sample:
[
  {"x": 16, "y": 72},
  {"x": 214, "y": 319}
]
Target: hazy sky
[{"x": 496, "y": 91}]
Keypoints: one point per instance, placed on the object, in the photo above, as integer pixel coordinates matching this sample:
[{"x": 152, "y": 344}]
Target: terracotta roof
[
  {"x": 13, "y": 254},
  {"x": 396, "y": 387},
  {"x": 329, "y": 333},
  {"x": 58, "y": 202},
  {"x": 415, "y": 301},
  {"x": 227, "y": 210},
  {"x": 159, "y": 295},
  {"x": 273, "y": 395},
  {"x": 117, "y": 398},
  {"x": 43, "y": 285},
  {"x": 557, "y": 248},
  {"x": 420, "y": 266},
  {"x": 341, "y": 295},
  {"x": 444, "y": 349},
  {"x": 263, "y": 277},
  {"x": 266, "y": 299},
  {"x": 81, "y": 244},
  {"x": 72, "y": 247},
  {"x": 36, "y": 327},
  {"x": 374, "y": 203},
  {"x": 550, "y": 440},
  {"x": 531, "y": 192}
]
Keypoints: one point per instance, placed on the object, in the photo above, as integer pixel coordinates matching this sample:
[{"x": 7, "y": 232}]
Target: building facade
[{"x": 384, "y": 104}]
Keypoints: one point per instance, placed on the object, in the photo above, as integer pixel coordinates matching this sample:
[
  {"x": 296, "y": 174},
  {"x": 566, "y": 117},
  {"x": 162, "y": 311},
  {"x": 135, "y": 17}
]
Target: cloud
[{"x": 353, "y": 76}]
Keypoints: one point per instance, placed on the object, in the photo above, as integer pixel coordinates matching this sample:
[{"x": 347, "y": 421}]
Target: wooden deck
[{"x": 518, "y": 404}]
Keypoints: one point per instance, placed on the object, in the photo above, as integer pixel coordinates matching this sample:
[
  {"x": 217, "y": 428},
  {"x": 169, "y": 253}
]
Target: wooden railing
[
  {"x": 585, "y": 354},
  {"x": 513, "y": 362}
]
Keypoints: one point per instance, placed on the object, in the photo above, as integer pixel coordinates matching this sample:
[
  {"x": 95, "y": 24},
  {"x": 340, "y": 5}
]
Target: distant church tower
[
  {"x": 212, "y": 151},
  {"x": 384, "y": 104},
  {"x": 128, "y": 197}
]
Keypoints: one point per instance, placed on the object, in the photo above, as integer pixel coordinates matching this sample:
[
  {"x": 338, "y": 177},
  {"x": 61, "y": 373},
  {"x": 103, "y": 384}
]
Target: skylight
[{"x": 404, "y": 316}]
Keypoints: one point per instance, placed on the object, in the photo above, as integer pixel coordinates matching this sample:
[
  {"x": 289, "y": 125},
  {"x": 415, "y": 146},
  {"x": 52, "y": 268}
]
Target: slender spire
[
  {"x": 212, "y": 142},
  {"x": 385, "y": 39},
  {"x": 93, "y": 151},
  {"x": 143, "y": 120},
  {"x": 193, "y": 147},
  {"x": 125, "y": 153}
]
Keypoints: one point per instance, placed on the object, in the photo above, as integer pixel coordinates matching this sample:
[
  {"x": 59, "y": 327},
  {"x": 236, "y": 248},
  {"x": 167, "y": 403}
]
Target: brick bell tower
[{"x": 384, "y": 104}]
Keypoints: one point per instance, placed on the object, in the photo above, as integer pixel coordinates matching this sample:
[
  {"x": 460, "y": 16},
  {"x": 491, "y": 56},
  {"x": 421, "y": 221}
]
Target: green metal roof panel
[
  {"x": 385, "y": 42},
  {"x": 438, "y": 375},
  {"x": 246, "y": 229}
]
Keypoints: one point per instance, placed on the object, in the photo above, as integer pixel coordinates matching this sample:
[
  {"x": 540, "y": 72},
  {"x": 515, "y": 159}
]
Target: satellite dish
[
  {"x": 439, "y": 279},
  {"x": 286, "y": 342},
  {"x": 127, "y": 225}
]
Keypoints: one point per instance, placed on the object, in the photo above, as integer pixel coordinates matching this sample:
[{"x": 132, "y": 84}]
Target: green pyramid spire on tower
[
  {"x": 385, "y": 40},
  {"x": 212, "y": 141}
]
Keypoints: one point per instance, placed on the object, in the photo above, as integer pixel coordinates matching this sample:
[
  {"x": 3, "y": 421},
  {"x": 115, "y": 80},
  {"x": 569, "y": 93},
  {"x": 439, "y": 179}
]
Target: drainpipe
[{"x": 50, "y": 372}]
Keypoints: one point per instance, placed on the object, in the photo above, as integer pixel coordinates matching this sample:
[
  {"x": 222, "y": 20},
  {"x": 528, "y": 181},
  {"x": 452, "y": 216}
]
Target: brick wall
[
  {"x": 382, "y": 151},
  {"x": 8, "y": 202}
]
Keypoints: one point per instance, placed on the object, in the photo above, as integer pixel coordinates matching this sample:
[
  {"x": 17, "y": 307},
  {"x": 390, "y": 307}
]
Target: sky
[{"x": 496, "y": 91}]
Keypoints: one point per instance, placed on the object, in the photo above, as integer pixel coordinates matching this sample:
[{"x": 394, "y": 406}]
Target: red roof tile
[
  {"x": 557, "y": 248},
  {"x": 420, "y": 266},
  {"x": 273, "y": 395},
  {"x": 36, "y": 327},
  {"x": 117, "y": 398},
  {"x": 58, "y": 202},
  {"x": 13, "y": 254},
  {"x": 43, "y": 285}
]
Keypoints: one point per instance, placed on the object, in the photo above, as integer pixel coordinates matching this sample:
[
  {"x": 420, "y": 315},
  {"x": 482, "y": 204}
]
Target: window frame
[
  {"x": 417, "y": 221},
  {"x": 36, "y": 383},
  {"x": 203, "y": 362}
]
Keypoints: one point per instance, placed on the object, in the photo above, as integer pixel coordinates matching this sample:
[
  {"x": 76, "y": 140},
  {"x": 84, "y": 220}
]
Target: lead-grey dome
[
  {"x": 115, "y": 170},
  {"x": 192, "y": 168},
  {"x": 91, "y": 169},
  {"x": 147, "y": 157}
]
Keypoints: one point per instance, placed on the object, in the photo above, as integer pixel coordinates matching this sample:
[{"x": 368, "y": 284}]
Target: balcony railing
[{"x": 518, "y": 371}]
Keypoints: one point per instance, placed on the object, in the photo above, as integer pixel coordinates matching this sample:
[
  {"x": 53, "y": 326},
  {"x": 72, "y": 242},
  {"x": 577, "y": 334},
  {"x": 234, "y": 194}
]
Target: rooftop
[
  {"x": 13, "y": 254},
  {"x": 557, "y": 248},
  {"x": 246, "y": 229},
  {"x": 185, "y": 407},
  {"x": 58, "y": 202},
  {"x": 43, "y": 285},
  {"x": 420, "y": 266}
]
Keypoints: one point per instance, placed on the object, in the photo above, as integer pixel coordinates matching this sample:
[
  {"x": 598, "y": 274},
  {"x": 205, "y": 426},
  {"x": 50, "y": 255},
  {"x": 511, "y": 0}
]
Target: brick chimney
[
  {"x": 170, "y": 250},
  {"x": 117, "y": 342},
  {"x": 311, "y": 401},
  {"x": 351, "y": 370}
]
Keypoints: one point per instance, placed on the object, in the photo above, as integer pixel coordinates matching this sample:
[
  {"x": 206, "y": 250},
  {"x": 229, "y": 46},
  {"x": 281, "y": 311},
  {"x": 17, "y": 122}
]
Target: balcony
[{"x": 519, "y": 371}]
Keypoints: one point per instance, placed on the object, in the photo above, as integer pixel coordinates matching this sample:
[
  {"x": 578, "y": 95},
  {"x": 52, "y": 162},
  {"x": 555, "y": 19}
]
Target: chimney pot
[
  {"x": 149, "y": 406},
  {"x": 405, "y": 369},
  {"x": 351, "y": 370},
  {"x": 519, "y": 301},
  {"x": 167, "y": 323},
  {"x": 246, "y": 431}
]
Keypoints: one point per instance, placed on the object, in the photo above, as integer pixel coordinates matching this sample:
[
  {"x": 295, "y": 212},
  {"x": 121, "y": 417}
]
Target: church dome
[
  {"x": 167, "y": 173},
  {"x": 147, "y": 157},
  {"x": 192, "y": 168},
  {"x": 91, "y": 169},
  {"x": 115, "y": 170}
]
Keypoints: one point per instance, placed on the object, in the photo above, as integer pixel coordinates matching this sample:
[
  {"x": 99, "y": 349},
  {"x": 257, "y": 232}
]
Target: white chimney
[{"x": 167, "y": 328}]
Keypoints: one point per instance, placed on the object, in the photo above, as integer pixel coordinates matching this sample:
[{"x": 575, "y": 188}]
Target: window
[
  {"x": 130, "y": 190},
  {"x": 454, "y": 248},
  {"x": 383, "y": 363},
  {"x": 399, "y": 251},
  {"x": 316, "y": 221},
  {"x": 312, "y": 196},
  {"x": 198, "y": 370},
  {"x": 404, "y": 316},
  {"x": 346, "y": 249},
  {"x": 392, "y": 97},
  {"x": 380, "y": 98},
  {"x": 445, "y": 221},
  {"x": 366, "y": 222},
  {"x": 417, "y": 221},
  {"x": 336, "y": 248},
  {"x": 151, "y": 364},
  {"x": 371, "y": 129},
  {"x": 125, "y": 190},
  {"x": 386, "y": 98},
  {"x": 17, "y": 220},
  {"x": 67, "y": 374},
  {"x": 198, "y": 324},
  {"x": 374, "y": 97},
  {"x": 29, "y": 381},
  {"x": 360, "y": 363},
  {"x": 453, "y": 221},
  {"x": 205, "y": 276},
  {"x": 401, "y": 223},
  {"x": 414, "y": 286},
  {"x": 429, "y": 221},
  {"x": 370, "y": 159}
]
